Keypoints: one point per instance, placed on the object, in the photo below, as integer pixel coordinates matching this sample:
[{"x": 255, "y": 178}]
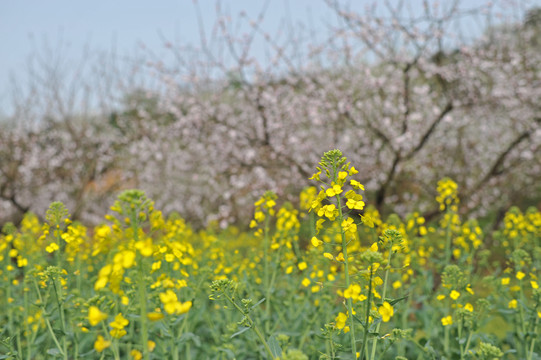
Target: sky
[{"x": 66, "y": 27}]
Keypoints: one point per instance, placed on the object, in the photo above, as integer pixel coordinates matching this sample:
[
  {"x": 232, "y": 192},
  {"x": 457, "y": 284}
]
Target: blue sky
[{"x": 27, "y": 26}]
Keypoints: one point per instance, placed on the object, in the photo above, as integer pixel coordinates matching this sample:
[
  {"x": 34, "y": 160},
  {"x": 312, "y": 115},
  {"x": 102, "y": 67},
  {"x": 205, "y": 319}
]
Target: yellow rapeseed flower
[
  {"x": 341, "y": 320},
  {"x": 155, "y": 316},
  {"x": 353, "y": 292},
  {"x": 136, "y": 354},
  {"x": 356, "y": 185},
  {"x": 319, "y": 225},
  {"x": 118, "y": 326},
  {"x": 144, "y": 247},
  {"x": 52, "y": 247},
  {"x": 101, "y": 344},
  {"x": 315, "y": 241},
  {"x": 21, "y": 261},
  {"x": 156, "y": 265},
  {"x": 349, "y": 227},
  {"x": 328, "y": 211},
  {"x": 512, "y": 304},
  {"x": 386, "y": 311},
  {"x": 171, "y": 304},
  {"x": 333, "y": 191},
  {"x": 355, "y": 204},
  {"x": 367, "y": 220},
  {"x": 184, "y": 307},
  {"x": 259, "y": 216},
  {"x": 169, "y": 300},
  {"x": 95, "y": 315},
  {"x": 447, "y": 320}
]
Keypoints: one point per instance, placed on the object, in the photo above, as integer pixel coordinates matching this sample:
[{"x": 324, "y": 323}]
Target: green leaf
[
  {"x": 240, "y": 331},
  {"x": 164, "y": 329},
  {"x": 59, "y": 332},
  {"x": 392, "y": 302},
  {"x": 229, "y": 353},
  {"x": 54, "y": 352},
  {"x": 359, "y": 321},
  {"x": 191, "y": 336},
  {"x": 257, "y": 303},
  {"x": 275, "y": 348}
]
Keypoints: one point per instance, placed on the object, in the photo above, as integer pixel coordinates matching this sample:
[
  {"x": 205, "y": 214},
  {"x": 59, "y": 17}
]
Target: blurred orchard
[{"x": 411, "y": 97}]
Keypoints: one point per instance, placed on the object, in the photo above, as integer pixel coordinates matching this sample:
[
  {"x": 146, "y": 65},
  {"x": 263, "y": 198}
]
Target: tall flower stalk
[
  {"x": 333, "y": 172},
  {"x": 134, "y": 205}
]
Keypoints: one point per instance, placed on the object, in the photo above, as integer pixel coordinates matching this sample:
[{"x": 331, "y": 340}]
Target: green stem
[
  {"x": 27, "y": 326},
  {"x": 48, "y": 323},
  {"x": 532, "y": 344},
  {"x": 62, "y": 319},
  {"x": 460, "y": 326},
  {"x": 253, "y": 326},
  {"x": 266, "y": 245},
  {"x": 367, "y": 317},
  {"x": 333, "y": 352},
  {"x": 307, "y": 330},
  {"x": 50, "y": 328},
  {"x": 180, "y": 332},
  {"x": 79, "y": 274},
  {"x": 346, "y": 274},
  {"x": 141, "y": 290},
  {"x": 174, "y": 348},
  {"x": 114, "y": 342},
  {"x": 19, "y": 345},
  {"x": 9, "y": 299},
  {"x": 271, "y": 286},
  {"x": 404, "y": 321},
  {"x": 143, "y": 310},
  {"x": 76, "y": 345},
  {"x": 468, "y": 342},
  {"x": 388, "y": 267},
  {"x": 523, "y": 322},
  {"x": 446, "y": 342}
]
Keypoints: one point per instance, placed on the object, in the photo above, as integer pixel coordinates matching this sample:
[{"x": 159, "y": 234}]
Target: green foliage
[{"x": 144, "y": 286}]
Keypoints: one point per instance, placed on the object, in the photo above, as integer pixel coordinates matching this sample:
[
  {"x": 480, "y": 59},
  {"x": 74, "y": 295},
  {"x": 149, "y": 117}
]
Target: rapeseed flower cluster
[
  {"x": 332, "y": 277},
  {"x": 447, "y": 194}
]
